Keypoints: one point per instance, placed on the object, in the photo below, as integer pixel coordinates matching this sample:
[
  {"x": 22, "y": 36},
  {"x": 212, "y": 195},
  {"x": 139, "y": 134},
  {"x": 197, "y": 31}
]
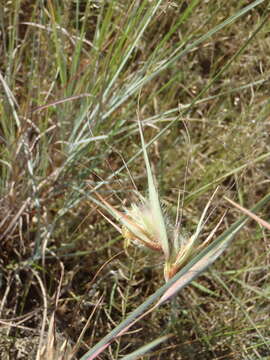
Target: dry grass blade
[
  {"x": 44, "y": 316},
  {"x": 249, "y": 213}
]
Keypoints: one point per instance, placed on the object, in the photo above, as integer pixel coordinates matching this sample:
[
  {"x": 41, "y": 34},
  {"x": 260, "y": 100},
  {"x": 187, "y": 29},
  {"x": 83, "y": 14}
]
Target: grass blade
[{"x": 144, "y": 349}]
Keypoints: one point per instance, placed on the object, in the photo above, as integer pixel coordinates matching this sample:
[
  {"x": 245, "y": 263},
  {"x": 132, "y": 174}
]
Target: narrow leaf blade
[{"x": 144, "y": 349}]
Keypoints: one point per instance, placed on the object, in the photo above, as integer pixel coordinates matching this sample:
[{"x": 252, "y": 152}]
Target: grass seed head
[
  {"x": 147, "y": 224},
  {"x": 142, "y": 216}
]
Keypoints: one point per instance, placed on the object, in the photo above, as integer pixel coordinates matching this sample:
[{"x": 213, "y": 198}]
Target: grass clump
[{"x": 71, "y": 74}]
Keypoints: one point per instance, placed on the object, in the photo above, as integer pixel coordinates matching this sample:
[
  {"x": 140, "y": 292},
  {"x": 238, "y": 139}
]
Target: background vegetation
[{"x": 75, "y": 76}]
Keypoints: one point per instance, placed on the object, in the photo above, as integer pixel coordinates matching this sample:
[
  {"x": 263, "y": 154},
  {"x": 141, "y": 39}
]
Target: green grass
[{"x": 74, "y": 78}]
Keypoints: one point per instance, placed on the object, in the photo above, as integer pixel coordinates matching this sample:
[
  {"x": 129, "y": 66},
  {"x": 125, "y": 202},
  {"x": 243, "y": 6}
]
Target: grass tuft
[{"x": 71, "y": 74}]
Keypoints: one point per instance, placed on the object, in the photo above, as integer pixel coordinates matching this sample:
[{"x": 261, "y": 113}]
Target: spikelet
[{"x": 145, "y": 223}]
